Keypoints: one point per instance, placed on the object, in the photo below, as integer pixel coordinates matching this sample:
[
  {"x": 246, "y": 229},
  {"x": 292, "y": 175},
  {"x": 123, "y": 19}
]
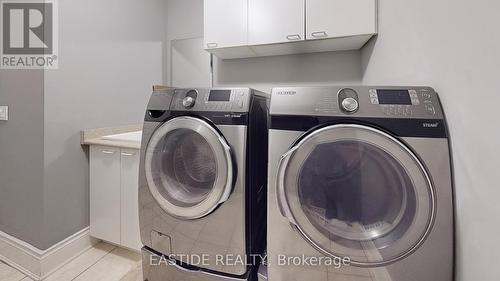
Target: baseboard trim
[{"x": 39, "y": 264}]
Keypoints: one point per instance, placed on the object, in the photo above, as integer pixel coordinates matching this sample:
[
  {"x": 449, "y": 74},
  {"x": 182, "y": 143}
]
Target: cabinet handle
[
  {"x": 108, "y": 152},
  {"x": 293, "y": 37},
  {"x": 319, "y": 34},
  {"x": 212, "y": 45},
  {"x": 128, "y": 154}
]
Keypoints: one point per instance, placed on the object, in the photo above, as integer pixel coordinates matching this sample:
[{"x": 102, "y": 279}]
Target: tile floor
[{"x": 103, "y": 262}]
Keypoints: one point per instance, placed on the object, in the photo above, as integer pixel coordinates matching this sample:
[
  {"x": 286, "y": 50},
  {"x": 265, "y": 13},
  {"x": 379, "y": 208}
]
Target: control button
[
  {"x": 409, "y": 111},
  {"x": 426, "y": 95},
  {"x": 242, "y": 94},
  {"x": 400, "y": 110},
  {"x": 372, "y": 92},
  {"x": 375, "y": 101},
  {"x": 412, "y": 92},
  {"x": 430, "y": 109},
  {"x": 188, "y": 102},
  {"x": 350, "y": 105},
  {"x": 385, "y": 109},
  {"x": 415, "y": 101},
  {"x": 373, "y": 95},
  {"x": 392, "y": 110}
]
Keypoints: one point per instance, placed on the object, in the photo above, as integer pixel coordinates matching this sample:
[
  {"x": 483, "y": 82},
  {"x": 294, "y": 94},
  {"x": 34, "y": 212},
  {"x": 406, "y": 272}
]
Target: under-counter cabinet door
[
  {"x": 339, "y": 18},
  {"x": 105, "y": 193},
  {"x": 225, "y": 23},
  {"x": 275, "y": 21},
  {"x": 129, "y": 197}
]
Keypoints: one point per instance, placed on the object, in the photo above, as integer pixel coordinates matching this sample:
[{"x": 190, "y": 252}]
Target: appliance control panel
[
  {"x": 4, "y": 113},
  {"x": 361, "y": 101},
  {"x": 217, "y": 99},
  {"x": 404, "y": 102}
]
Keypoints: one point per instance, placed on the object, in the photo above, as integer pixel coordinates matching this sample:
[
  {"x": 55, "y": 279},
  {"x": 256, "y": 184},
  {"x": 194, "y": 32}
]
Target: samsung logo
[
  {"x": 286, "y": 93},
  {"x": 430, "y": 125}
]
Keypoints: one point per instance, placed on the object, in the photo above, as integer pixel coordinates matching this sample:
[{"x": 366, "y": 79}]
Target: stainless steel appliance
[
  {"x": 202, "y": 187},
  {"x": 360, "y": 185}
]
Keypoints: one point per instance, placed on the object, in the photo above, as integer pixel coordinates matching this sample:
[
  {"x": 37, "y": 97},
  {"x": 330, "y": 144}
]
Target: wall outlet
[{"x": 4, "y": 113}]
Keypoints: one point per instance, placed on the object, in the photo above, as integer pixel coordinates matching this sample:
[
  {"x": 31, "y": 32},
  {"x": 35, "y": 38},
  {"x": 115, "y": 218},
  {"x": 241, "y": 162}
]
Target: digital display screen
[
  {"x": 220, "y": 95},
  {"x": 394, "y": 97}
]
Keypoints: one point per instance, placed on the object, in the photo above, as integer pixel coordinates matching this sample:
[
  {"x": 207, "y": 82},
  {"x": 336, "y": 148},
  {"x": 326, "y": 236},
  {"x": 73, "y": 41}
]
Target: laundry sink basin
[{"x": 132, "y": 136}]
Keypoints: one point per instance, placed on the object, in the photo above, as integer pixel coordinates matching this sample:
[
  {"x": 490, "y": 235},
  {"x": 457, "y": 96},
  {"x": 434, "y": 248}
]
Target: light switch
[{"x": 4, "y": 113}]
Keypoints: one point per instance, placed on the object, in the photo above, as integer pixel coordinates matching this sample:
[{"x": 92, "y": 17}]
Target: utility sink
[{"x": 132, "y": 136}]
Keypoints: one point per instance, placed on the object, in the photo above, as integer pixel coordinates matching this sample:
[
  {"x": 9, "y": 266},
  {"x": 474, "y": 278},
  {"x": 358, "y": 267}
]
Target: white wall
[
  {"x": 184, "y": 19},
  {"x": 453, "y": 46},
  {"x": 294, "y": 70}
]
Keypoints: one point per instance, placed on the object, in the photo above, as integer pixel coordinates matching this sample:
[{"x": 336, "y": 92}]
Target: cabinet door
[
  {"x": 225, "y": 23},
  {"x": 339, "y": 18},
  {"x": 275, "y": 21},
  {"x": 105, "y": 193},
  {"x": 129, "y": 199}
]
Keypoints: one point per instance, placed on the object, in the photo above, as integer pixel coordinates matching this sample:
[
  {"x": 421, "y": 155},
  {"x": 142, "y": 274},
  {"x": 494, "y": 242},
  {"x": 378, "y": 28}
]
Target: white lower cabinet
[
  {"x": 114, "y": 211},
  {"x": 129, "y": 198},
  {"x": 105, "y": 191}
]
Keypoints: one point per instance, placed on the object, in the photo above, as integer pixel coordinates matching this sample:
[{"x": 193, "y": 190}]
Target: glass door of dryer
[
  {"x": 188, "y": 167},
  {"x": 354, "y": 191}
]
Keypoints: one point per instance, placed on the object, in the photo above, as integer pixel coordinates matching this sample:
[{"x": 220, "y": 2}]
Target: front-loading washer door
[
  {"x": 355, "y": 191},
  {"x": 188, "y": 167}
]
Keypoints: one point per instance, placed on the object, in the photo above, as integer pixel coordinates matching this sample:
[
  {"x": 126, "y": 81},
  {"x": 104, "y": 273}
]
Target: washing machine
[
  {"x": 360, "y": 185},
  {"x": 202, "y": 186}
]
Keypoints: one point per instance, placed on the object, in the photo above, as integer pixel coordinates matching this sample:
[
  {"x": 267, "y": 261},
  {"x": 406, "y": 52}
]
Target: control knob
[
  {"x": 350, "y": 105},
  {"x": 188, "y": 102}
]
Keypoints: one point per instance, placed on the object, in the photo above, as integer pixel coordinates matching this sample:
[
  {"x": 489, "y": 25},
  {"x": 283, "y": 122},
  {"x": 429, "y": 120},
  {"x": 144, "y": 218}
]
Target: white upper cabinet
[
  {"x": 275, "y": 21},
  {"x": 249, "y": 28},
  {"x": 226, "y": 23},
  {"x": 340, "y": 18}
]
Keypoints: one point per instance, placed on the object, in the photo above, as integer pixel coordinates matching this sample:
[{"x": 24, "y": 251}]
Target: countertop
[{"x": 94, "y": 136}]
